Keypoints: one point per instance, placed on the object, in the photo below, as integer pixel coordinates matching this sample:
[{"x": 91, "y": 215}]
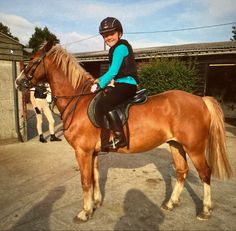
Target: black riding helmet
[{"x": 110, "y": 24}]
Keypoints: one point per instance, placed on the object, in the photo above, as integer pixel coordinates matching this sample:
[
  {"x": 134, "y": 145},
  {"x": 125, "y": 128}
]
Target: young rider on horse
[{"x": 120, "y": 80}]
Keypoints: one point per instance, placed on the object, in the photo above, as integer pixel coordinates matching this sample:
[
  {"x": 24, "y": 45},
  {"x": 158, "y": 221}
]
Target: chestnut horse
[{"x": 191, "y": 125}]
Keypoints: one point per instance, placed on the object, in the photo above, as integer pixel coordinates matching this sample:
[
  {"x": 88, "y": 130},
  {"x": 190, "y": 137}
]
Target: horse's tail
[{"x": 216, "y": 148}]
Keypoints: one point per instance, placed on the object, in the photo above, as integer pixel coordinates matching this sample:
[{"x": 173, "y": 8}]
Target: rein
[{"x": 73, "y": 107}]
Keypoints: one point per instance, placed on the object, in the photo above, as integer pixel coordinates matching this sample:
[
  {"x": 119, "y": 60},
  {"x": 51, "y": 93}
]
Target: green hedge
[{"x": 164, "y": 74}]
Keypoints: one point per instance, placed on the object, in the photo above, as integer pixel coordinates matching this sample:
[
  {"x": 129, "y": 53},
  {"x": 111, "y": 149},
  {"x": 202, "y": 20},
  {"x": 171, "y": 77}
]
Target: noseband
[{"x": 29, "y": 72}]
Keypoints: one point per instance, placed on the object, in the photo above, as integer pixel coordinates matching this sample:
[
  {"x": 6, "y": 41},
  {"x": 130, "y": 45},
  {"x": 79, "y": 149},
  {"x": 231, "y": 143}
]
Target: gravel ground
[{"x": 40, "y": 190}]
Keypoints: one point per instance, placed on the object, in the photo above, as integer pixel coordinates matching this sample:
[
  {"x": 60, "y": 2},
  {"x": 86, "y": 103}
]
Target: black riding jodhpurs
[{"x": 113, "y": 96}]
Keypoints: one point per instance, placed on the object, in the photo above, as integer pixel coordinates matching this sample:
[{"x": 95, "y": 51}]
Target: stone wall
[{"x": 11, "y": 119}]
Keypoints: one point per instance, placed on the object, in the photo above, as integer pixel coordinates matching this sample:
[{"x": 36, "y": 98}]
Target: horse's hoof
[
  {"x": 176, "y": 204},
  {"x": 203, "y": 216},
  {"x": 83, "y": 216},
  {"x": 78, "y": 220},
  {"x": 166, "y": 208},
  {"x": 170, "y": 205},
  {"x": 97, "y": 204}
]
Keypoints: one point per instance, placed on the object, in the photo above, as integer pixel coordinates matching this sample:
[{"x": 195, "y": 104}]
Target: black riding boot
[
  {"x": 41, "y": 139},
  {"x": 105, "y": 135},
  {"x": 54, "y": 138},
  {"x": 117, "y": 128}
]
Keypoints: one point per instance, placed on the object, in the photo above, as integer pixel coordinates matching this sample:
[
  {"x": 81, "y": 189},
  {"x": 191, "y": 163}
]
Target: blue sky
[{"x": 75, "y": 20}]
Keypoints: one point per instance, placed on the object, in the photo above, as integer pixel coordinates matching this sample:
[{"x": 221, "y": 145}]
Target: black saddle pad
[{"x": 99, "y": 120}]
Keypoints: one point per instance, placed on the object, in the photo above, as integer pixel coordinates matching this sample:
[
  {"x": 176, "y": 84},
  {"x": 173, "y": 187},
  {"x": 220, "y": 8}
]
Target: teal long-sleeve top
[{"x": 119, "y": 54}]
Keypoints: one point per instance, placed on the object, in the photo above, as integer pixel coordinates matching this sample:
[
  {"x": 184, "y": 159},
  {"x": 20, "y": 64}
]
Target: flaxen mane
[{"x": 69, "y": 65}]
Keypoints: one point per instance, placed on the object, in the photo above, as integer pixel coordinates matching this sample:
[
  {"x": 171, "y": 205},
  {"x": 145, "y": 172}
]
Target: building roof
[
  {"x": 10, "y": 49},
  {"x": 195, "y": 49}
]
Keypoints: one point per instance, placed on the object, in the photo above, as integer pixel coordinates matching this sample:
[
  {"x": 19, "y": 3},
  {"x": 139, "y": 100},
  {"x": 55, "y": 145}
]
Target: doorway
[{"x": 221, "y": 84}]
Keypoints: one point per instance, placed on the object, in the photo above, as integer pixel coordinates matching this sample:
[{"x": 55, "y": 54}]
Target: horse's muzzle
[{"x": 23, "y": 84}]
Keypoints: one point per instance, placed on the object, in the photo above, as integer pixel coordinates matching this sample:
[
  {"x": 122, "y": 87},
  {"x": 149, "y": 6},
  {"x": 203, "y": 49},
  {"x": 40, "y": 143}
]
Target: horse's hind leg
[
  {"x": 97, "y": 197},
  {"x": 179, "y": 157},
  {"x": 199, "y": 160}
]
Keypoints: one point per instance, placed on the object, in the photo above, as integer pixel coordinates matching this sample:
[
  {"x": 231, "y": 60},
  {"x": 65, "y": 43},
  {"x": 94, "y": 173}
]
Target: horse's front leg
[
  {"x": 97, "y": 196},
  {"x": 85, "y": 161}
]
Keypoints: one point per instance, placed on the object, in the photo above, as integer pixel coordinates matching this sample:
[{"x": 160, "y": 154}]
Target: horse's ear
[{"x": 48, "y": 45}]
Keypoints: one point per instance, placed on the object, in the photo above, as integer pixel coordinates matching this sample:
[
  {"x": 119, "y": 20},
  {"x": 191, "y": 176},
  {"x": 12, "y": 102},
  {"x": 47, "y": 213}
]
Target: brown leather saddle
[{"x": 99, "y": 120}]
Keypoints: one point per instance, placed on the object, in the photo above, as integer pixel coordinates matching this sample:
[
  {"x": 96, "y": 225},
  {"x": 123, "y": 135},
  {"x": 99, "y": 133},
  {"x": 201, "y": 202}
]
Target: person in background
[
  {"x": 38, "y": 95},
  {"x": 120, "y": 80}
]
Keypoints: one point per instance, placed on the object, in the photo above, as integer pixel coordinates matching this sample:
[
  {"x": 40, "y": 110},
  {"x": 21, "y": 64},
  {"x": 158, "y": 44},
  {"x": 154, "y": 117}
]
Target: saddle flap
[{"x": 99, "y": 120}]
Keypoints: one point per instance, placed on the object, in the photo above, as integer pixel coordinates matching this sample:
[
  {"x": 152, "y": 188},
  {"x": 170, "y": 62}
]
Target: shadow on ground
[
  {"x": 162, "y": 160},
  {"x": 41, "y": 211},
  {"x": 139, "y": 213}
]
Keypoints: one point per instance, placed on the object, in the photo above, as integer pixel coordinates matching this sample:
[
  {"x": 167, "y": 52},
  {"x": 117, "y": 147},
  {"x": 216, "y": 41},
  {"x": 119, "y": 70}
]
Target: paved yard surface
[{"x": 40, "y": 190}]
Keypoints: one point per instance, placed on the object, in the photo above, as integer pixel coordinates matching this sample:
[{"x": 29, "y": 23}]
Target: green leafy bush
[{"x": 164, "y": 74}]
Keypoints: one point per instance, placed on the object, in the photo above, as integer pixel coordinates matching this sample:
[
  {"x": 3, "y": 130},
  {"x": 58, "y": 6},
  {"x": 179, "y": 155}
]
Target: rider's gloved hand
[
  {"x": 37, "y": 110},
  {"x": 95, "y": 88}
]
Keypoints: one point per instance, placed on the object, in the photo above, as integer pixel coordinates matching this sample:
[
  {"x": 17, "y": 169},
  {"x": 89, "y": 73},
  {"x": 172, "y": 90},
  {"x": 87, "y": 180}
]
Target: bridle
[
  {"x": 29, "y": 73},
  {"x": 26, "y": 83}
]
